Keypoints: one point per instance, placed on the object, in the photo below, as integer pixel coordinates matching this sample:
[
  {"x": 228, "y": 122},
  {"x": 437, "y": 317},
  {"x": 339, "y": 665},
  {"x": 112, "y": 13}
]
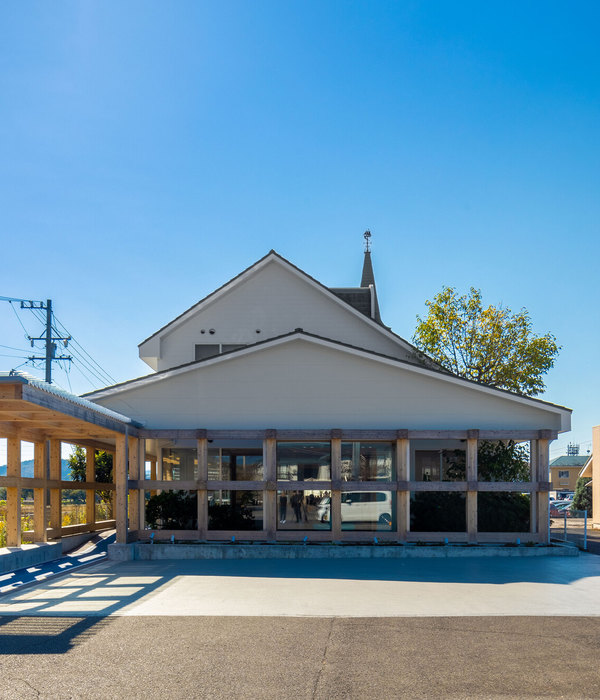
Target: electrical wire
[
  {"x": 19, "y": 320},
  {"x": 9, "y": 347},
  {"x": 85, "y": 352}
]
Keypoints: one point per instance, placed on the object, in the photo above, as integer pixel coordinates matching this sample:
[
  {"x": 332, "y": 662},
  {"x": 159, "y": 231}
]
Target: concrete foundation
[
  {"x": 138, "y": 551},
  {"x": 26, "y": 555}
]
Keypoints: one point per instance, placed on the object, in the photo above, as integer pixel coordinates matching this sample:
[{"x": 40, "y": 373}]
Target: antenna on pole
[{"x": 367, "y": 237}]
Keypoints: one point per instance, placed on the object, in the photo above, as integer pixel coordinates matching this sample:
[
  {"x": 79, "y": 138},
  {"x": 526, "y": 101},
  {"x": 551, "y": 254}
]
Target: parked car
[
  {"x": 360, "y": 507},
  {"x": 556, "y": 508}
]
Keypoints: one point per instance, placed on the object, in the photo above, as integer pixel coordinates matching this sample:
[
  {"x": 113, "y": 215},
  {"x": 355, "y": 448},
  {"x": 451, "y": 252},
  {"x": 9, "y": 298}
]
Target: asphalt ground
[{"x": 325, "y": 658}]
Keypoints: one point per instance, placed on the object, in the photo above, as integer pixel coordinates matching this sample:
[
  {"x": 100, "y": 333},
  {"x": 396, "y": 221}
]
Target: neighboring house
[
  {"x": 564, "y": 472},
  {"x": 282, "y": 409},
  {"x": 591, "y": 469}
]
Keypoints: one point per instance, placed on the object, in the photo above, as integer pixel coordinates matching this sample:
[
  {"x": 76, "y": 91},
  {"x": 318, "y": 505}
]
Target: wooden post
[
  {"x": 153, "y": 475},
  {"x": 120, "y": 477},
  {"x": 134, "y": 494},
  {"x": 403, "y": 496},
  {"x": 55, "y": 493},
  {"x": 471, "y": 495},
  {"x": 595, "y": 519},
  {"x": 39, "y": 495},
  {"x": 533, "y": 477},
  {"x": 90, "y": 494},
  {"x": 142, "y": 475},
  {"x": 202, "y": 445},
  {"x": 335, "y": 509},
  {"x": 270, "y": 494},
  {"x": 13, "y": 495},
  {"x": 543, "y": 471}
]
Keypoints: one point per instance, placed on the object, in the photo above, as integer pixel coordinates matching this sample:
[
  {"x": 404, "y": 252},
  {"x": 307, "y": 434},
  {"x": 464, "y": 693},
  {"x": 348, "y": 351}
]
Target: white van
[{"x": 360, "y": 507}]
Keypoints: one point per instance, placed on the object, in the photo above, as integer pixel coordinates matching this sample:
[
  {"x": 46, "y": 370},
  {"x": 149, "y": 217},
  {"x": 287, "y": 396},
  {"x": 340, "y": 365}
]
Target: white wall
[
  {"x": 275, "y": 301},
  {"x": 299, "y": 384}
]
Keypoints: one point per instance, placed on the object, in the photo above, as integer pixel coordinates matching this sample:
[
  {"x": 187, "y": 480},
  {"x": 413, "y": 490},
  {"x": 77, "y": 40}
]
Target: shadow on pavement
[{"x": 46, "y": 635}]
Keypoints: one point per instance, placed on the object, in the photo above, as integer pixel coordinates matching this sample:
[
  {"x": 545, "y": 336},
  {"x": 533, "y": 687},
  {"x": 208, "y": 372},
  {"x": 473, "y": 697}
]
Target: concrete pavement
[{"x": 318, "y": 588}]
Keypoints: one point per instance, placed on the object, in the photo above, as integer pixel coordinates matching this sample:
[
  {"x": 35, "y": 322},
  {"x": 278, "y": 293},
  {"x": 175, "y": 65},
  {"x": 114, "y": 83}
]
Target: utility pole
[{"x": 50, "y": 355}]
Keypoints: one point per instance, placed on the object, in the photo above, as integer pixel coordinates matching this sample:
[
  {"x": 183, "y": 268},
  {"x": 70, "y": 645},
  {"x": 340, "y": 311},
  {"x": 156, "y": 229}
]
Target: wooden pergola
[{"x": 32, "y": 411}]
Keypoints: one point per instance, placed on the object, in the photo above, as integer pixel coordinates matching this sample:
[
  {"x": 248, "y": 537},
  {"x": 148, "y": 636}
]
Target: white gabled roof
[
  {"x": 443, "y": 376},
  {"x": 274, "y": 257}
]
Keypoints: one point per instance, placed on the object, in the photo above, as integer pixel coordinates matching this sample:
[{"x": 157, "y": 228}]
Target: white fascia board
[
  {"x": 564, "y": 413},
  {"x": 254, "y": 269}
]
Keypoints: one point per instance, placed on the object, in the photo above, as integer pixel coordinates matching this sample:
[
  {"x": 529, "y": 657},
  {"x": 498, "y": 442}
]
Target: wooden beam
[
  {"x": 543, "y": 470},
  {"x": 90, "y": 494},
  {"x": 40, "y": 494},
  {"x": 202, "y": 448},
  {"x": 335, "y": 505},
  {"x": 270, "y": 496},
  {"x": 472, "y": 494},
  {"x": 134, "y": 494},
  {"x": 55, "y": 493},
  {"x": 120, "y": 476},
  {"x": 403, "y": 496},
  {"x": 13, "y": 495}
]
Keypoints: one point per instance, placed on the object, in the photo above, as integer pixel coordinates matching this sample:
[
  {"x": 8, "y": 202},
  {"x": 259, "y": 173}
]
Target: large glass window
[
  {"x": 304, "y": 461},
  {"x": 179, "y": 463},
  {"x": 304, "y": 510},
  {"x": 438, "y": 511},
  {"x": 435, "y": 463},
  {"x": 502, "y": 460},
  {"x": 368, "y": 510},
  {"x": 235, "y": 510},
  {"x": 236, "y": 460},
  {"x": 503, "y": 512},
  {"x": 367, "y": 461}
]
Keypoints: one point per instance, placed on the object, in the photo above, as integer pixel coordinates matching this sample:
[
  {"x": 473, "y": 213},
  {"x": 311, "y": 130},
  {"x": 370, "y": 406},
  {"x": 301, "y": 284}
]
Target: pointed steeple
[{"x": 368, "y": 277}]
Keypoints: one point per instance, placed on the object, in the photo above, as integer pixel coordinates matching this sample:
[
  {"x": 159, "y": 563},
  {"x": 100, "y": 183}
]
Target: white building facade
[{"x": 280, "y": 409}]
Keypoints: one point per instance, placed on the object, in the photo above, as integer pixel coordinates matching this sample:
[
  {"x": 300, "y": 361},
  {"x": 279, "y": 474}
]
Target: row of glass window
[
  {"x": 360, "y": 461},
  {"x": 359, "y": 510}
]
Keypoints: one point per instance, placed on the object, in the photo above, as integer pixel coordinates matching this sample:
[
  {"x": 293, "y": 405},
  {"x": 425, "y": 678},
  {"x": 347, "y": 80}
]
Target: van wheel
[{"x": 385, "y": 519}]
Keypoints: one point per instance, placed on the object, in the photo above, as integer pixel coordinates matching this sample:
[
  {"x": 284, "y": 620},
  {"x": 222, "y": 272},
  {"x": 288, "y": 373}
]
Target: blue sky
[{"x": 149, "y": 151}]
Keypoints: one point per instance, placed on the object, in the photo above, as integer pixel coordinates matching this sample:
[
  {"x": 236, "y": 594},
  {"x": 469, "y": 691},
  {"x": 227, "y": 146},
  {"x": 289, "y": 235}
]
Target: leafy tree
[
  {"x": 489, "y": 345},
  {"x": 103, "y": 467},
  {"x": 582, "y": 500}
]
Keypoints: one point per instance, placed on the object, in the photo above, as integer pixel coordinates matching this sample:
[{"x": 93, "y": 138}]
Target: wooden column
[
  {"x": 90, "y": 494},
  {"x": 335, "y": 508},
  {"x": 202, "y": 445},
  {"x": 55, "y": 493},
  {"x": 142, "y": 493},
  {"x": 403, "y": 496},
  {"x": 13, "y": 495},
  {"x": 471, "y": 494},
  {"x": 133, "y": 472},
  {"x": 595, "y": 519},
  {"x": 120, "y": 477},
  {"x": 543, "y": 471},
  {"x": 39, "y": 495},
  {"x": 533, "y": 477},
  {"x": 153, "y": 474},
  {"x": 270, "y": 494}
]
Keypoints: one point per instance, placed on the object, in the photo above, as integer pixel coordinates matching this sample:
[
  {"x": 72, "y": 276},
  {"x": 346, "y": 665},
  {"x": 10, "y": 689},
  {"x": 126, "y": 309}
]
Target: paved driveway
[{"x": 271, "y": 629}]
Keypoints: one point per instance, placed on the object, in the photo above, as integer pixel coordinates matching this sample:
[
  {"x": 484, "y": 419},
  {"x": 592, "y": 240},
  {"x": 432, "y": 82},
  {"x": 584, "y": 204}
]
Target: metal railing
[{"x": 570, "y": 525}]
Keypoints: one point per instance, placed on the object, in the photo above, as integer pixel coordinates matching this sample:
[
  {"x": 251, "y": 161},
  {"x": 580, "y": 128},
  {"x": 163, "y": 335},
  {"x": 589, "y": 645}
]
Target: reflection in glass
[
  {"x": 235, "y": 510},
  {"x": 440, "y": 465},
  {"x": 367, "y": 461},
  {"x": 179, "y": 463},
  {"x": 503, "y": 512},
  {"x": 304, "y": 461},
  {"x": 368, "y": 510},
  {"x": 172, "y": 510},
  {"x": 433, "y": 511},
  {"x": 304, "y": 510},
  {"x": 235, "y": 463}
]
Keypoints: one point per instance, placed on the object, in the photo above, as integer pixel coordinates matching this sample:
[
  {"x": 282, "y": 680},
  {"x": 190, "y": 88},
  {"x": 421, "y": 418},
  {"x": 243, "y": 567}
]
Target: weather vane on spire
[{"x": 367, "y": 237}]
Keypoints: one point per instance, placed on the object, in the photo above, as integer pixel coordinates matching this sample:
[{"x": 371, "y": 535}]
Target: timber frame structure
[{"x": 34, "y": 412}]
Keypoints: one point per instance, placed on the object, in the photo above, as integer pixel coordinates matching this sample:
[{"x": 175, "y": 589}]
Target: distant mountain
[{"x": 27, "y": 469}]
